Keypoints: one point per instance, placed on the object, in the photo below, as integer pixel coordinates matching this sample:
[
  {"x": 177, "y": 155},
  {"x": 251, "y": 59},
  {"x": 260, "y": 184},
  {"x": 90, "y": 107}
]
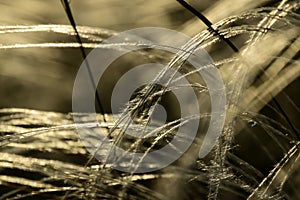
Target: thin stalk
[{"x": 68, "y": 10}]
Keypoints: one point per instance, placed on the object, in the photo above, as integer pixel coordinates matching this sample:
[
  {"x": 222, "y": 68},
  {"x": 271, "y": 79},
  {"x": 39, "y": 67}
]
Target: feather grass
[{"x": 43, "y": 157}]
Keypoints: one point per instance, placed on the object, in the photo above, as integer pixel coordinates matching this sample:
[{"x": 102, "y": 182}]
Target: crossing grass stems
[{"x": 43, "y": 157}]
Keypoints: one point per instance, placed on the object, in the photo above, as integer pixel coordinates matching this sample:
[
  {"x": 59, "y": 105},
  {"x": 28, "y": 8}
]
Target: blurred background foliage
[{"x": 42, "y": 78}]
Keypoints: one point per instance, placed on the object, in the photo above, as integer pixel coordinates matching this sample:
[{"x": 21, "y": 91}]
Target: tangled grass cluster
[{"x": 256, "y": 157}]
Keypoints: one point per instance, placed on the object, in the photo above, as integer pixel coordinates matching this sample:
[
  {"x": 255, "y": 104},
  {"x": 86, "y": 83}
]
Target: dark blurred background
[{"x": 42, "y": 78}]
